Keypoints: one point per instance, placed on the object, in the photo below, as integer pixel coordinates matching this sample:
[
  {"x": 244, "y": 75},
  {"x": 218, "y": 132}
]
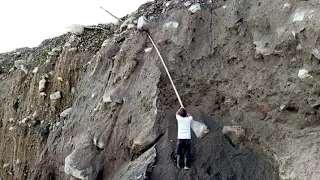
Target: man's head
[{"x": 183, "y": 112}]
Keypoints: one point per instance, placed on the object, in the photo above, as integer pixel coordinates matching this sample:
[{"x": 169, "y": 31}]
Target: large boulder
[{"x": 235, "y": 133}]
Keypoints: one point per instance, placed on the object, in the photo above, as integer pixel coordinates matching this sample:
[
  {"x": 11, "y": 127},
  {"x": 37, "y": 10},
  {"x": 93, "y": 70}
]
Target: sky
[{"x": 26, "y": 23}]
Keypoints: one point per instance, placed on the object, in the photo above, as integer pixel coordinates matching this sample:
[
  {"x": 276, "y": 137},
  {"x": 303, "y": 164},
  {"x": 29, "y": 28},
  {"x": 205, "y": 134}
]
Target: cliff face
[{"x": 99, "y": 105}]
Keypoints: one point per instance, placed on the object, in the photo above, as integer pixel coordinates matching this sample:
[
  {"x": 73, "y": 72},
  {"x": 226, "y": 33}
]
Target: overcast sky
[{"x": 25, "y": 23}]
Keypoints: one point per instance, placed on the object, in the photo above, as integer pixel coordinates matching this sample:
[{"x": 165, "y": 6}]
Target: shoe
[
  {"x": 186, "y": 167},
  {"x": 178, "y": 161}
]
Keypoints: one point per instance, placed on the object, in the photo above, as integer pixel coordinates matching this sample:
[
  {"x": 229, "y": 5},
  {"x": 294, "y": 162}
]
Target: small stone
[
  {"x": 43, "y": 94},
  {"x": 188, "y": 3},
  {"x": 42, "y": 85},
  {"x": 168, "y": 3},
  {"x": 11, "y": 120},
  {"x": 73, "y": 49},
  {"x": 224, "y": 7},
  {"x": 6, "y": 165},
  {"x": 11, "y": 128},
  {"x": 55, "y": 95},
  {"x": 66, "y": 113},
  {"x": 77, "y": 29},
  {"x": 60, "y": 79},
  {"x": 24, "y": 69},
  {"x": 73, "y": 90},
  {"x": 316, "y": 53},
  {"x": 314, "y": 102},
  {"x": 131, "y": 26},
  {"x": 286, "y": 7},
  {"x": 194, "y": 8},
  {"x": 18, "y": 63},
  {"x": 143, "y": 23},
  {"x": 57, "y": 49},
  {"x": 35, "y": 70},
  {"x": 24, "y": 120},
  {"x": 106, "y": 98},
  {"x": 303, "y": 73},
  {"x": 53, "y": 53},
  {"x": 282, "y": 107},
  {"x": 148, "y": 49},
  {"x": 171, "y": 25},
  {"x": 46, "y": 76},
  {"x": 18, "y": 161}
]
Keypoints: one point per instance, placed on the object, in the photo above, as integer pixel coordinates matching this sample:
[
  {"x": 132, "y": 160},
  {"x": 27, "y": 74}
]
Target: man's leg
[
  {"x": 178, "y": 151},
  {"x": 187, "y": 154}
]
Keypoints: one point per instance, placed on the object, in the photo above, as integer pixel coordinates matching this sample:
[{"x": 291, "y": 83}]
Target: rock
[
  {"x": 316, "y": 53},
  {"x": 148, "y": 49},
  {"x": 73, "y": 90},
  {"x": 30, "y": 58},
  {"x": 53, "y": 53},
  {"x": 35, "y": 70},
  {"x": 43, "y": 94},
  {"x": 42, "y": 84},
  {"x": 299, "y": 47},
  {"x": 60, "y": 79},
  {"x": 18, "y": 161},
  {"x": 106, "y": 98},
  {"x": 11, "y": 120},
  {"x": 286, "y": 7},
  {"x": 66, "y": 112},
  {"x": 143, "y": 23},
  {"x": 303, "y": 73},
  {"x": 74, "y": 49},
  {"x": 171, "y": 25},
  {"x": 6, "y": 165},
  {"x": 24, "y": 120},
  {"x": 131, "y": 26},
  {"x": 97, "y": 141},
  {"x": 55, "y": 95},
  {"x": 188, "y": 3},
  {"x": 139, "y": 168},
  {"x": 57, "y": 50},
  {"x": 194, "y": 8},
  {"x": 18, "y": 63},
  {"x": 77, "y": 29},
  {"x": 314, "y": 102},
  {"x": 168, "y": 3},
  {"x": 298, "y": 15},
  {"x": 11, "y": 128},
  {"x": 83, "y": 162},
  {"x": 235, "y": 133},
  {"x": 24, "y": 69}
]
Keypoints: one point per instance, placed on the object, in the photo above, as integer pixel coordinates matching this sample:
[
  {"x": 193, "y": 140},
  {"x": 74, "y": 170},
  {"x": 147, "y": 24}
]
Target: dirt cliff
[{"x": 97, "y": 104}]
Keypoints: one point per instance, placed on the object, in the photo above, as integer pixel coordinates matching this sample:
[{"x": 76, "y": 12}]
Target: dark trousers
[{"x": 183, "y": 148}]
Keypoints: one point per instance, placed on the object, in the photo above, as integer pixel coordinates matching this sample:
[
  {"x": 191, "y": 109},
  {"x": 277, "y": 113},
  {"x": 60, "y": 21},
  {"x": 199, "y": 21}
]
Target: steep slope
[{"x": 246, "y": 63}]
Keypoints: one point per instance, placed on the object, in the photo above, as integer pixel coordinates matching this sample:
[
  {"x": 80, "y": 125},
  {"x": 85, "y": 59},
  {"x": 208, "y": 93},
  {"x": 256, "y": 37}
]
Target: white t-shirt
[{"x": 184, "y": 127}]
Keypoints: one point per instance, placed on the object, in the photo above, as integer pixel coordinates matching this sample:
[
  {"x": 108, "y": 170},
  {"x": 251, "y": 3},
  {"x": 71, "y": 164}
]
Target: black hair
[{"x": 183, "y": 112}]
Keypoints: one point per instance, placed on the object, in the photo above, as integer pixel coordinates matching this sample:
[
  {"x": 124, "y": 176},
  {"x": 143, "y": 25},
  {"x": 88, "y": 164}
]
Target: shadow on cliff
[{"x": 214, "y": 156}]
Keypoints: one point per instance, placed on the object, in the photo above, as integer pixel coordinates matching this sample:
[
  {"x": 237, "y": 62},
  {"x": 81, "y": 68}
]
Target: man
[{"x": 184, "y": 120}]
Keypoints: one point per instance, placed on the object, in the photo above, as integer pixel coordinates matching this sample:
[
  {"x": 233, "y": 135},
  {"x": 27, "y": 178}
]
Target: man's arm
[{"x": 177, "y": 113}]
